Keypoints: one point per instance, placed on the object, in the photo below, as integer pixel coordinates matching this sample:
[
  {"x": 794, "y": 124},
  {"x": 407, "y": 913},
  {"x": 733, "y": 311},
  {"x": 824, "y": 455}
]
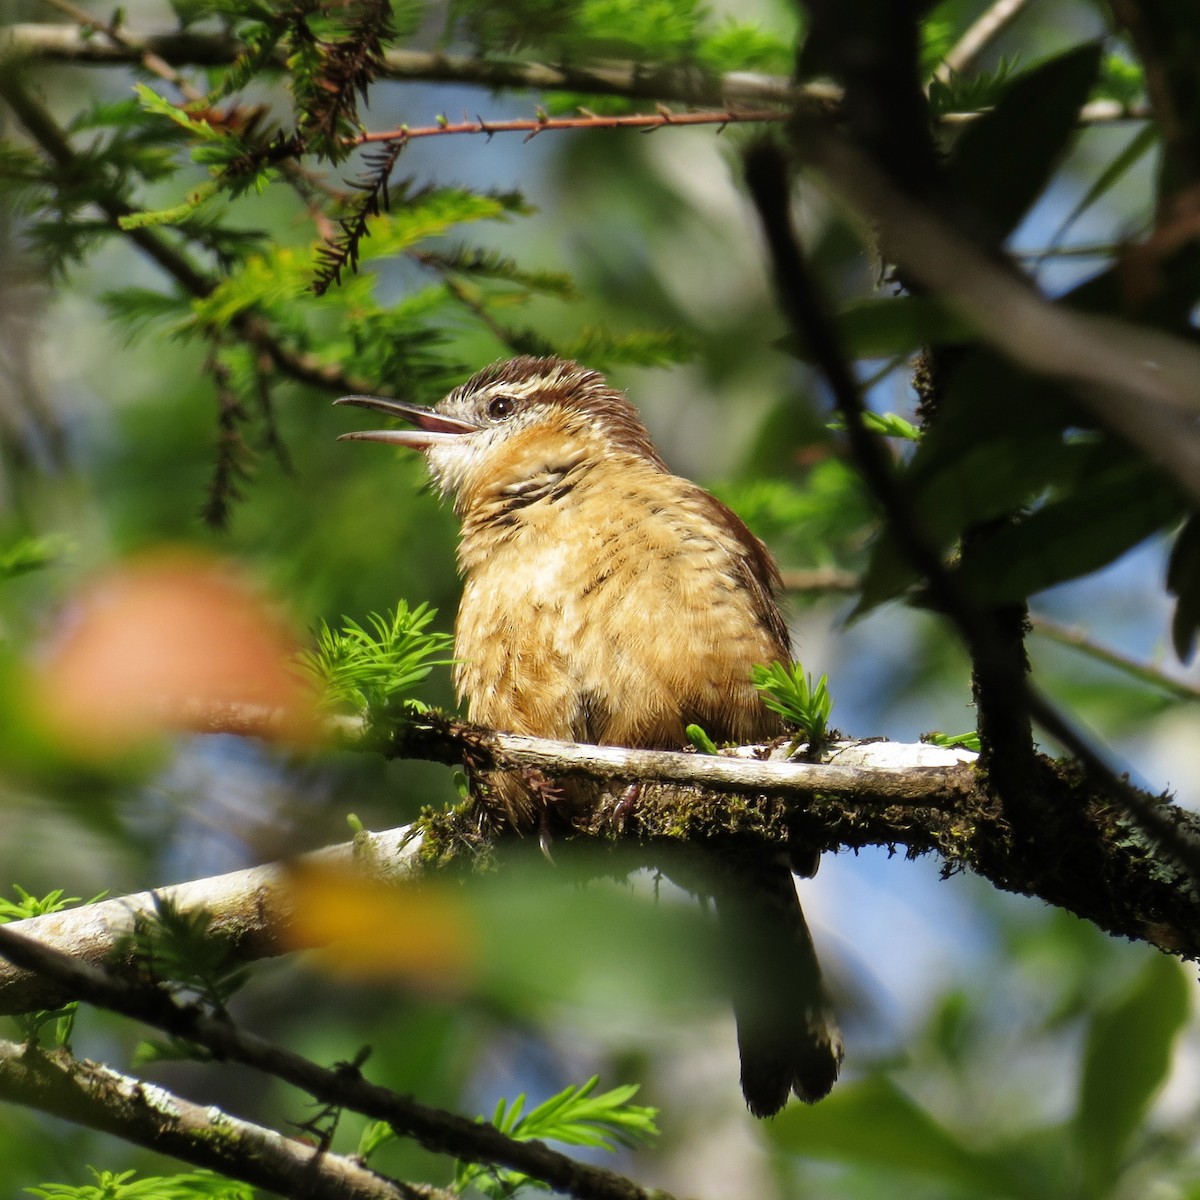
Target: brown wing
[{"x": 760, "y": 574}]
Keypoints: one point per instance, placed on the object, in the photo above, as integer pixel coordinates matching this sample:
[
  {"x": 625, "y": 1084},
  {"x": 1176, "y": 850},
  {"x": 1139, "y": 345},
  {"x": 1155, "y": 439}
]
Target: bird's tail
[{"x": 788, "y": 1038}]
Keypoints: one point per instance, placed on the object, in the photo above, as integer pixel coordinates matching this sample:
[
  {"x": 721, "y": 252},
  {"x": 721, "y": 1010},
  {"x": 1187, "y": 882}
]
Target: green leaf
[
  {"x": 785, "y": 688},
  {"x": 1004, "y": 159},
  {"x": 1126, "y": 1060},
  {"x": 949, "y": 741},
  {"x": 886, "y": 424},
  {"x": 152, "y": 102},
  {"x": 873, "y": 1123},
  {"x": 973, "y": 92},
  {"x": 1073, "y": 536},
  {"x": 489, "y": 264},
  {"x": 700, "y": 740},
  {"x": 894, "y": 327},
  {"x": 824, "y": 521},
  {"x": 576, "y": 1116},
  {"x": 377, "y": 669},
  {"x": 1183, "y": 581},
  {"x": 736, "y": 46},
  {"x": 125, "y": 1185},
  {"x": 32, "y": 554},
  {"x": 950, "y": 495},
  {"x": 183, "y": 950},
  {"x": 177, "y": 214},
  {"x": 28, "y": 905},
  {"x": 1133, "y": 152},
  {"x": 602, "y": 348},
  {"x": 1121, "y": 80}
]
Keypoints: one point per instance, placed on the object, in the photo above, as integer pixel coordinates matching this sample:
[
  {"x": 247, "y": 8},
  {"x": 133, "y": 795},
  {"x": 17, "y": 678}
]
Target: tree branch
[
  {"x": 880, "y": 771},
  {"x": 436, "y": 1129},
  {"x": 1139, "y": 382},
  {"x": 1091, "y": 862},
  {"x": 1112, "y": 371},
  {"x": 149, "y": 1115},
  {"x": 69, "y": 43},
  {"x": 251, "y": 910},
  {"x": 820, "y": 579}
]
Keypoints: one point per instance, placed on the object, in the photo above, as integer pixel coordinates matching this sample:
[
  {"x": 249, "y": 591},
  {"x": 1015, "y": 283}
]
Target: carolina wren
[{"x": 606, "y": 600}]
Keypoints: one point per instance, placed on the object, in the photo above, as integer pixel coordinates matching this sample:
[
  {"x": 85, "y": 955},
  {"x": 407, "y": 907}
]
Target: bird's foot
[{"x": 547, "y": 796}]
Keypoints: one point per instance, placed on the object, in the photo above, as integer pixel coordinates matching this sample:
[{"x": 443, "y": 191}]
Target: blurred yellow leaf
[{"x": 424, "y": 936}]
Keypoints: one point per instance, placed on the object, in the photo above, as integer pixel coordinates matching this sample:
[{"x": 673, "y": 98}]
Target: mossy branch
[
  {"x": 1089, "y": 858},
  {"x": 145, "y": 1114}
]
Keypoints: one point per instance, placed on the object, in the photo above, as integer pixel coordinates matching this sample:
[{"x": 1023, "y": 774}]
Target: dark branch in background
[
  {"x": 872, "y": 49},
  {"x": 999, "y": 693},
  {"x": 685, "y": 85},
  {"x": 767, "y": 177},
  {"x": 344, "y": 1086},
  {"x": 1139, "y": 382},
  {"x": 149, "y": 1115},
  {"x": 146, "y": 58},
  {"x": 875, "y": 56},
  {"x": 1169, "y": 62},
  {"x": 766, "y": 173},
  {"x": 833, "y": 581}
]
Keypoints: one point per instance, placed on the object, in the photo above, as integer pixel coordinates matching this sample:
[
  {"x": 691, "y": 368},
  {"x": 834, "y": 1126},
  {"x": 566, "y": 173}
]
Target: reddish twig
[{"x": 532, "y": 126}]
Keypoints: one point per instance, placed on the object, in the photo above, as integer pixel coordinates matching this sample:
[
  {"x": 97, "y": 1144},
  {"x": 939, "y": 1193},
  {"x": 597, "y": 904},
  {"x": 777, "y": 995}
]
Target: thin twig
[
  {"x": 1078, "y": 639},
  {"x": 535, "y": 125},
  {"x": 480, "y": 311},
  {"x": 437, "y": 1130},
  {"x": 820, "y": 579},
  {"x": 985, "y": 29},
  {"x": 152, "y": 62}
]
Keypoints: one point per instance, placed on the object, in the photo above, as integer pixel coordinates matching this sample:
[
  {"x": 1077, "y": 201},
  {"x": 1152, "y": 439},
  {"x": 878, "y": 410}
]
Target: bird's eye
[{"x": 501, "y": 408}]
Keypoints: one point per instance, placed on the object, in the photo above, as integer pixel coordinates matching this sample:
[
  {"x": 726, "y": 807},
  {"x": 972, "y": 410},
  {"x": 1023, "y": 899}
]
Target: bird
[{"x": 607, "y": 600}]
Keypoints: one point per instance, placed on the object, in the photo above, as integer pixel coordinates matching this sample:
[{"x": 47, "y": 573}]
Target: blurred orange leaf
[{"x": 167, "y": 641}]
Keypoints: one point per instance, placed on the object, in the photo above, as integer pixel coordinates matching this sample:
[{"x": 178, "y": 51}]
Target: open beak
[{"x": 432, "y": 429}]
